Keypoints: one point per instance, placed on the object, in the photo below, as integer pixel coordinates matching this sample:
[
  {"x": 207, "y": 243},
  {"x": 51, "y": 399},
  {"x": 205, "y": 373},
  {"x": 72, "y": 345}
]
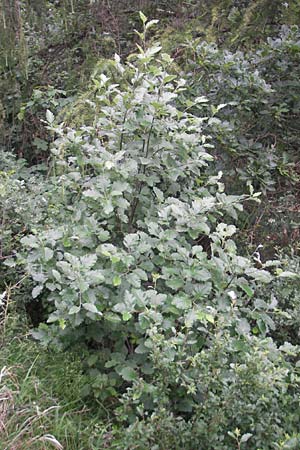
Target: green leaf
[
  {"x": 128, "y": 374},
  {"x": 103, "y": 235},
  {"x": 210, "y": 318},
  {"x": 262, "y": 326},
  {"x": 48, "y": 252},
  {"x": 134, "y": 280},
  {"x": 143, "y": 17},
  {"x": 111, "y": 317},
  {"x": 108, "y": 207},
  {"x": 203, "y": 275},
  {"x": 88, "y": 261},
  {"x": 292, "y": 444},
  {"x": 247, "y": 289},
  {"x": 153, "y": 50},
  {"x": 41, "y": 144},
  {"x": 182, "y": 302},
  {"x": 30, "y": 241},
  {"x": 91, "y": 308},
  {"x": 56, "y": 275},
  {"x": 151, "y": 23},
  {"x": 201, "y": 99},
  {"x": 288, "y": 274},
  {"x": 126, "y": 316},
  {"x": 117, "y": 280},
  {"x": 169, "y": 78},
  {"x": 246, "y": 437},
  {"x": 141, "y": 274},
  {"x": 159, "y": 194},
  {"x": 259, "y": 275},
  {"x": 37, "y": 290},
  {"x": 62, "y": 324},
  {"x": 93, "y": 359},
  {"x": 95, "y": 277},
  {"x": 74, "y": 310},
  {"x": 175, "y": 283},
  {"x": 243, "y": 327},
  {"x": 49, "y": 116},
  {"x": 9, "y": 262},
  {"x": 115, "y": 259},
  {"x": 92, "y": 193},
  {"x": 205, "y": 317},
  {"x": 83, "y": 285}
]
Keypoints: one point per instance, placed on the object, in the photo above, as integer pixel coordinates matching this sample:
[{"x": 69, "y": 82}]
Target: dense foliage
[{"x": 122, "y": 240}]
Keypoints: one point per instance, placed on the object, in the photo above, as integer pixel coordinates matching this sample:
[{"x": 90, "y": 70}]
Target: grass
[{"x": 41, "y": 406}]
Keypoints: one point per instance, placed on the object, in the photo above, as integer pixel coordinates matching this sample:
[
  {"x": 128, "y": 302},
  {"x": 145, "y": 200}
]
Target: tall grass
[{"x": 41, "y": 405}]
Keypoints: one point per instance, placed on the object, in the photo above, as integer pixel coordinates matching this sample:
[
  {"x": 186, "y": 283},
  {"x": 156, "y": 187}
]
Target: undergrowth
[
  {"x": 41, "y": 405},
  {"x": 161, "y": 329}
]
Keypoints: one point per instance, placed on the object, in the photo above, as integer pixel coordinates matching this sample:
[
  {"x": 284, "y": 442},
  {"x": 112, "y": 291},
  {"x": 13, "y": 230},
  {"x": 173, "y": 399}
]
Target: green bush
[
  {"x": 255, "y": 132},
  {"x": 22, "y": 204},
  {"x": 284, "y": 294},
  {"x": 136, "y": 262},
  {"x": 244, "y": 390}
]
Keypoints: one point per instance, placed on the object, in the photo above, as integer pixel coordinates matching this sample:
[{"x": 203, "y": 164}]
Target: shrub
[
  {"x": 258, "y": 97},
  {"x": 22, "y": 205},
  {"x": 136, "y": 262},
  {"x": 243, "y": 391}
]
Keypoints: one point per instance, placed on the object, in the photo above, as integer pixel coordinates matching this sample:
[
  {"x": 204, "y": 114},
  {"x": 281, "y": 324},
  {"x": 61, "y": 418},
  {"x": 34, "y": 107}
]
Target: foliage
[
  {"x": 232, "y": 24},
  {"x": 255, "y": 127},
  {"x": 252, "y": 89},
  {"x": 243, "y": 389},
  {"x": 55, "y": 43},
  {"x": 22, "y": 206},
  {"x": 31, "y": 122},
  {"x": 58, "y": 43},
  {"x": 124, "y": 245},
  {"x": 255, "y": 107},
  {"x": 138, "y": 265},
  {"x": 284, "y": 294}
]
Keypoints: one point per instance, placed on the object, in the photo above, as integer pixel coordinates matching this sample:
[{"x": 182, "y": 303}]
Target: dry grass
[
  {"x": 6, "y": 400},
  {"x": 22, "y": 427}
]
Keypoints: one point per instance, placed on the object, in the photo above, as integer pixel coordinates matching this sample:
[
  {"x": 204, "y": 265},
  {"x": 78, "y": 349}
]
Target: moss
[{"x": 231, "y": 23}]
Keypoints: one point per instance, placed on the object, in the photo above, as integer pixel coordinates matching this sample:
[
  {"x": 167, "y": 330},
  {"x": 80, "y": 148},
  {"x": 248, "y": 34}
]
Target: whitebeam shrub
[{"x": 137, "y": 260}]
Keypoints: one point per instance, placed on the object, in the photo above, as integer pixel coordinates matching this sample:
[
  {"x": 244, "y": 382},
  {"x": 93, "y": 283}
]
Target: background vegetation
[{"x": 149, "y": 248}]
